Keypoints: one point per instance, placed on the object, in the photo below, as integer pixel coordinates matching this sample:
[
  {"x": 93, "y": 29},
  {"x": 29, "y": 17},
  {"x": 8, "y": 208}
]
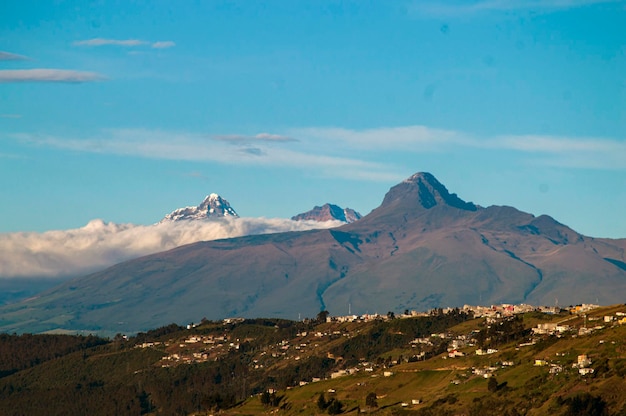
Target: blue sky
[{"x": 127, "y": 110}]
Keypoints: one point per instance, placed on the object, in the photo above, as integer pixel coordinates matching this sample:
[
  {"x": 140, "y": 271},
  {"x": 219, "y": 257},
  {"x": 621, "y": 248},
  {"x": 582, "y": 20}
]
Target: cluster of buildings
[
  {"x": 193, "y": 349},
  {"x": 582, "y": 365}
]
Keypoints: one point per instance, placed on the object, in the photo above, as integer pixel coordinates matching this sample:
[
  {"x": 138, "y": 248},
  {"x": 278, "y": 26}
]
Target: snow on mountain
[
  {"x": 212, "y": 206},
  {"x": 100, "y": 244}
]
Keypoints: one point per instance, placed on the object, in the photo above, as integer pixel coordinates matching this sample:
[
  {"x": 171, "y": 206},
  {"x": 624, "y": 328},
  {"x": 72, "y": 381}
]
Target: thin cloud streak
[
  {"x": 570, "y": 152},
  {"x": 393, "y": 138},
  {"x": 156, "y": 144},
  {"x": 8, "y": 56},
  {"x": 163, "y": 44},
  {"x": 113, "y": 42},
  {"x": 48, "y": 75},
  {"x": 97, "y": 245},
  {"x": 346, "y": 153},
  {"x": 457, "y": 9},
  {"x": 126, "y": 43},
  {"x": 261, "y": 137}
]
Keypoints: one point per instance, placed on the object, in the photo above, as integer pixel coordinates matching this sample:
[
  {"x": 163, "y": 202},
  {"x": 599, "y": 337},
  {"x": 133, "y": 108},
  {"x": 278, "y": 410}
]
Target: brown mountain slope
[{"x": 422, "y": 248}]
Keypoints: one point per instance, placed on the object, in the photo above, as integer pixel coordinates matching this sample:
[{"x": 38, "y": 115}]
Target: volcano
[{"x": 423, "y": 247}]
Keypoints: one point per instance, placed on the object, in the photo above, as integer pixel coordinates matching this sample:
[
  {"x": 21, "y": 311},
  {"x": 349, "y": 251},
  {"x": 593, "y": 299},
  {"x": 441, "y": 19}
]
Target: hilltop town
[{"x": 497, "y": 359}]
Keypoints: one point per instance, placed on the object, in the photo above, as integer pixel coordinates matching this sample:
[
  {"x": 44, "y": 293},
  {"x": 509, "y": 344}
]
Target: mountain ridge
[
  {"x": 329, "y": 212},
  {"x": 421, "y": 248}
]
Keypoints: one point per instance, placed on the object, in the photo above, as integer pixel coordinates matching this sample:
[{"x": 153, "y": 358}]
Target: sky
[{"x": 125, "y": 110}]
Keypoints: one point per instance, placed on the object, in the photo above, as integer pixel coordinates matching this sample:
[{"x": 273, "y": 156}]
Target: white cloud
[
  {"x": 114, "y": 42},
  {"x": 98, "y": 244},
  {"x": 48, "y": 75},
  {"x": 8, "y": 56},
  {"x": 163, "y": 44},
  {"x": 10, "y": 116}
]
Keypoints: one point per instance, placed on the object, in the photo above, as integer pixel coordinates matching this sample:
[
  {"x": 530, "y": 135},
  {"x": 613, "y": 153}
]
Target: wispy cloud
[
  {"x": 114, "y": 42},
  {"x": 413, "y": 138},
  {"x": 8, "y": 56},
  {"x": 127, "y": 43},
  {"x": 341, "y": 152},
  {"x": 163, "y": 44},
  {"x": 261, "y": 137},
  {"x": 464, "y": 8},
  {"x": 48, "y": 75},
  {"x": 10, "y": 116},
  {"x": 170, "y": 145},
  {"x": 561, "y": 151},
  {"x": 570, "y": 152},
  {"x": 99, "y": 244}
]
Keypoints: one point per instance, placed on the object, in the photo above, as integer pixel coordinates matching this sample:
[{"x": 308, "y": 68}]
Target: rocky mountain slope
[
  {"x": 423, "y": 247},
  {"x": 329, "y": 212}
]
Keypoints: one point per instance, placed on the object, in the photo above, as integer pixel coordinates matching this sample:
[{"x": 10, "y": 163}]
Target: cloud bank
[{"x": 97, "y": 245}]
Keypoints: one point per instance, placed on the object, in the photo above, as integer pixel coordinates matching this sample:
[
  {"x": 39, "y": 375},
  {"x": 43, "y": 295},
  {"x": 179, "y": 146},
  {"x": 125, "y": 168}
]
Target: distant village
[{"x": 200, "y": 348}]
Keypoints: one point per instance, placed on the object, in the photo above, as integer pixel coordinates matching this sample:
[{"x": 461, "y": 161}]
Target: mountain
[
  {"x": 212, "y": 206},
  {"x": 328, "y": 212},
  {"x": 423, "y": 247}
]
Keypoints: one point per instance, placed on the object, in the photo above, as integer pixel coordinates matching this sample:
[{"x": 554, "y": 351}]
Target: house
[
  {"x": 583, "y": 361},
  {"x": 555, "y": 369},
  {"x": 337, "y": 374},
  {"x": 540, "y": 363},
  {"x": 585, "y": 371},
  {"x": 455, "y": 353}
]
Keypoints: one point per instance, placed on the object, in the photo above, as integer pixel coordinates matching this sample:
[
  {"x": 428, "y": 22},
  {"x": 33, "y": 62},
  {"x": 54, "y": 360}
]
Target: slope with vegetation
[{"x": 443, "y": 363}]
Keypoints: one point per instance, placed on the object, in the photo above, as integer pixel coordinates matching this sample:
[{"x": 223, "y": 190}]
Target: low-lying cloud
[{"x": 97, "y": 245}]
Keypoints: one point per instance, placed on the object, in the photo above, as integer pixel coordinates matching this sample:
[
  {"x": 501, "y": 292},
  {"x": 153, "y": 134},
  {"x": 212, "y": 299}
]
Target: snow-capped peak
[{"x": 212, "y": 206}]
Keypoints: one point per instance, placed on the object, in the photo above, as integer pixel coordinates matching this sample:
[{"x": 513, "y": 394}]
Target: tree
[
  {"x": 370, "y": 400},
  {"x": 334, "y": 407},
  {"x": 492, "y": 384},
  {"x": 322, "y": 404},
  {"x": 321, "y": 316},
  {"x": 586, "y": 404},
  {"x": 266, "y": 398}
]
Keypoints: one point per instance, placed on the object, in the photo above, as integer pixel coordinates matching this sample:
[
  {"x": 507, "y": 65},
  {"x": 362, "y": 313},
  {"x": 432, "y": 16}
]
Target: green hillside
[{"x": 420, "y": 365}]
